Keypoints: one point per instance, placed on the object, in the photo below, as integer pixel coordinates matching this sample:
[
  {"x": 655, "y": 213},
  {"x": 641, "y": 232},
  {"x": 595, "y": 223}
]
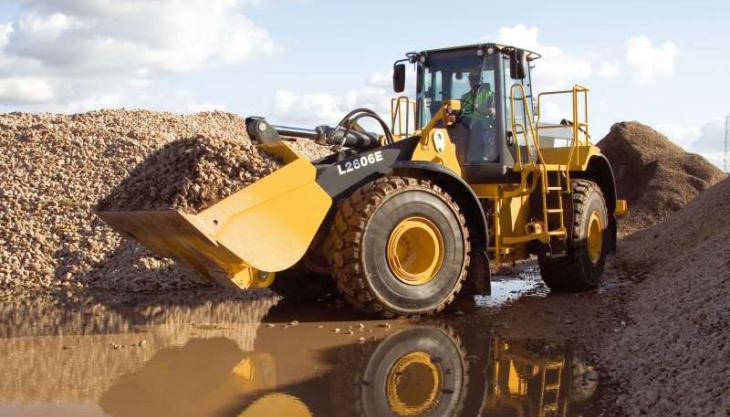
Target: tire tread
[{"x": 351, "y": 219}]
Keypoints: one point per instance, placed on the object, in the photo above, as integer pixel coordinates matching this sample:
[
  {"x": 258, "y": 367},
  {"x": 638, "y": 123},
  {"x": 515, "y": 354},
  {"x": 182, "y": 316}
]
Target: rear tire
[
  {"x": 400, "y": 248},
  {"x": 582, "y": 265}
]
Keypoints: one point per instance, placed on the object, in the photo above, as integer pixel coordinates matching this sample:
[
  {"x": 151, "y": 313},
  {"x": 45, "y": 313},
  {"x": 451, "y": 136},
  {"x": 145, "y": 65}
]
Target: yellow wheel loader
[{"x": 465, "y": 174}]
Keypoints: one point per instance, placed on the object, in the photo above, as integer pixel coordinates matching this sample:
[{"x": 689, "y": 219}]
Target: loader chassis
[{"x": 402, "y": 221}]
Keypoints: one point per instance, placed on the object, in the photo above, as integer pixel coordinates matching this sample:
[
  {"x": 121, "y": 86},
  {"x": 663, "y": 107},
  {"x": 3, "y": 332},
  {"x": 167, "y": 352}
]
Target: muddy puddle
[{"x": 261, "y": 357}]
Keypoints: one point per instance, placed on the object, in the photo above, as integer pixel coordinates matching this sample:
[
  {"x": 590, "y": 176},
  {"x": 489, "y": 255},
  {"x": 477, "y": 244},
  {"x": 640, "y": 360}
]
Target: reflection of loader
[
  {"x": 525, "y": 383},
  {"x": 400, "y": 220},
  {"x": 421, "y": 371},
  {"x": 424, "y": 372}
]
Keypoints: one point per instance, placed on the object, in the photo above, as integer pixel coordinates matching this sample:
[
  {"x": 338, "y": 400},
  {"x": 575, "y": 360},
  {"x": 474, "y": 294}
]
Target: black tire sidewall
[
  {"x": 391, "y": 291},
  {"x": 431, "y": 340},
  {"x": 592, "y": 272}
]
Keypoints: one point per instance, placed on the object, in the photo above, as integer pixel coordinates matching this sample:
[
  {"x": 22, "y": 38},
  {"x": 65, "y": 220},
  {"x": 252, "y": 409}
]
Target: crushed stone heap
[
  {"x": 55, "y": 168},
  {"x": 191, "y": 174},
  {"x": 672, "y": 357},
  {"x": 656, "y": 176}
]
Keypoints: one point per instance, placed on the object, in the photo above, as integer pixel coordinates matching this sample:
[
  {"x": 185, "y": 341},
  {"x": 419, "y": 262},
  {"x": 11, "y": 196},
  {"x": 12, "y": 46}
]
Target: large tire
[
  {"x": 366, "y": 225},
  {"x": 421, "y": 371},
  {"x": 582, "y": 265}
]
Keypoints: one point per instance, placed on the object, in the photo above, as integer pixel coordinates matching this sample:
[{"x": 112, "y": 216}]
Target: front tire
[
  {"x": 400, "y": 248},
  {"x": 582, "y": 265},
  {"x": 420, "y": 371}
]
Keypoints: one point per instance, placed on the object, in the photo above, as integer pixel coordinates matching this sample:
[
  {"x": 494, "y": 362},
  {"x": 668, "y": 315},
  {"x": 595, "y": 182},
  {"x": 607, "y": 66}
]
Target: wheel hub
[
  {"x": 413, "y": 385},
  {"x": 595, "y": 237},
  {"x": 415, "y": 251}
]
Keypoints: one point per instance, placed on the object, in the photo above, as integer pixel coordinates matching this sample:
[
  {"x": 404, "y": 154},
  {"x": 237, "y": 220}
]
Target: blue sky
[{"x": 308, "y": 61}]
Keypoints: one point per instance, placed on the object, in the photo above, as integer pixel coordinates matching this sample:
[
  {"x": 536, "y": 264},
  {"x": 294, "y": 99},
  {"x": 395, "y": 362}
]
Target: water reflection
[{"x": 224, "y": 361}]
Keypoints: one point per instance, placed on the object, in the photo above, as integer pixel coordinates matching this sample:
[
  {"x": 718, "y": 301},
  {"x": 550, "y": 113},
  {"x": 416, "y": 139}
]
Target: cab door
[
  {"x": 515, "y": 119},
  {"x": 479, "y": 133}
]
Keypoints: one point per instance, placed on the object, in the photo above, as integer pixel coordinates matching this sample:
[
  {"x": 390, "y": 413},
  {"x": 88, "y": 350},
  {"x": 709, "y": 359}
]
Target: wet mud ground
[{"x": 519, "y": 352}]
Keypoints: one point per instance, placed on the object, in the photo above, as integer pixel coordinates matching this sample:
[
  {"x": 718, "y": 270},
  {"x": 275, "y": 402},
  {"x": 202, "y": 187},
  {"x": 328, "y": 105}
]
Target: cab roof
[{"x": 531, "y": 56}]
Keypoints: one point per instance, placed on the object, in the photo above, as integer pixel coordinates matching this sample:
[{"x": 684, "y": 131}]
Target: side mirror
[
  {"x": 399, "y": 78},
  {"x": 517, "y": 64}
]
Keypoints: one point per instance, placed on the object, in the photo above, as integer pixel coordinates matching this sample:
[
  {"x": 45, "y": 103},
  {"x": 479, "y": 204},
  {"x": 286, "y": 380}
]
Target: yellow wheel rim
[
  {"x": 413, "y": 386},
  {"x": 415, "y": 251},
  {"x": 595, "y": 237}
]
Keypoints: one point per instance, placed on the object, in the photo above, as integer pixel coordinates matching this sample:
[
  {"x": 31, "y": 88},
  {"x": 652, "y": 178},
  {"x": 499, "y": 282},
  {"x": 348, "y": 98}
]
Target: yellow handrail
[
  {"x": 396, "y": 113},
  {"x": 528, "y": 117},
  {"x": 577, "y": 124}
]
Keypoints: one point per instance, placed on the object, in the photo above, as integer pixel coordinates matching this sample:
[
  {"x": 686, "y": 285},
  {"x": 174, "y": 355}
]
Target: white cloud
[
  {"x": 707, "y": 139},
  {"x": 325, "y": 108},
  {"x": 520, "y": 36},
  {"x": 307, "y": 109},
  {"x": 556, "y": 69},
  {"x": 553, "y": 112},
  {"x": 682, "y": 136},
  {"x": 322, "y": 108},
  {"x": 116, "y": 37},
  {"x": 58, "y": 52},
  {"x": 382, "y": 79},
  {"x": 609, "y": 69},
  {"x": 25, "y": 90},
  {"x": 649, "y": 61},
  {"x": 207, "y": 106}
]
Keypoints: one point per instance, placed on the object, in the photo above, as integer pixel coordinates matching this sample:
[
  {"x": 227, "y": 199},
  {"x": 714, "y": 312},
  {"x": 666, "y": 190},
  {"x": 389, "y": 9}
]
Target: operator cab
[{"x": 482, "y": 77}]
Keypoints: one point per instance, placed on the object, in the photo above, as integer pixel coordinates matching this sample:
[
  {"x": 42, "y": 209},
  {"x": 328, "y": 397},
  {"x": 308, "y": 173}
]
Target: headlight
[{"x": 439, "y": 141}]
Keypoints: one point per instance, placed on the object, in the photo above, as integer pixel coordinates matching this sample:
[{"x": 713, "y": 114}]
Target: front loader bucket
[{"x": 244, "y": 238}]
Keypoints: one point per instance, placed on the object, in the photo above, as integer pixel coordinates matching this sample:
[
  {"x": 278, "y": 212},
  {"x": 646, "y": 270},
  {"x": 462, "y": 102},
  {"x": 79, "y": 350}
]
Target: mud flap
[{"x": 479, "y": 280}]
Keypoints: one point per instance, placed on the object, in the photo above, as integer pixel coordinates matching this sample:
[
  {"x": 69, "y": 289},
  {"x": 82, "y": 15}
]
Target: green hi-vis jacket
[{"x": 476, "y": 100}]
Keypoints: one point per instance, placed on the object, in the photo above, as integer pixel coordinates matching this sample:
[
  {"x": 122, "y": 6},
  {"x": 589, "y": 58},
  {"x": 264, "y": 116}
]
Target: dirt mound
[
  {"x": 656, "y": 176},
  {"x": 673, "y": 358},
  {"x": 55, "y": 168}
]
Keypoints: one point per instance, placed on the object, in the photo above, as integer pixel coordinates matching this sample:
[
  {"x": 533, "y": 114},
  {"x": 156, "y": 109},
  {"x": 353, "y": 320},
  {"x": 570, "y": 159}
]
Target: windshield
[{"x": 451, "y": 75}]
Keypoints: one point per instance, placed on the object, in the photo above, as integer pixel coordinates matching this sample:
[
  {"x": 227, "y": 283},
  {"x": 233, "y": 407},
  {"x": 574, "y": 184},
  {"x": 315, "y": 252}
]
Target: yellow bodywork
[
  {"x": 436, "y": 145},
  {"x": 243, "y": 239},
  {"x": 513, "y": 222}
]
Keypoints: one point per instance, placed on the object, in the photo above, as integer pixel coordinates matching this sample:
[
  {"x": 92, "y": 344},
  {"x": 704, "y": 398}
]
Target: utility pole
[{"x": 726, "y": 160}]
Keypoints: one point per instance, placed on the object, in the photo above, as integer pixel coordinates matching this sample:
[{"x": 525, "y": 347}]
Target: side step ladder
[
  {"x": 556, "y": 190},
  {"x": 551, "y": 379}
]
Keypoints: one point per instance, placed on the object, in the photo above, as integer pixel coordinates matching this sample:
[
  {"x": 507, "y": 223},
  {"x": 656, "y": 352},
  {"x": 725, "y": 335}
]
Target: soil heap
[
  {"x": 672, "y": 358},
  {"x": 55, "y": 168},
  {"x": 656, "y": 176}
]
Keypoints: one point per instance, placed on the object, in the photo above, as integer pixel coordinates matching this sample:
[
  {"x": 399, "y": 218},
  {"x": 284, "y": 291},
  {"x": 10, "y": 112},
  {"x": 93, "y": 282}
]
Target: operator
[
  {"x": 478, "y": 118},
  {"x": 479, "y": 98}
]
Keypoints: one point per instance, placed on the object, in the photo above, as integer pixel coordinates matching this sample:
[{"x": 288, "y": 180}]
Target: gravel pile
[
  {"x": 55, "y": 168},
  {"x": 656, "y": 176},
  {"x": 672, "y": 358},
  {"x": 309, "y": 149},
  {"x": 191, "y": 174}
]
